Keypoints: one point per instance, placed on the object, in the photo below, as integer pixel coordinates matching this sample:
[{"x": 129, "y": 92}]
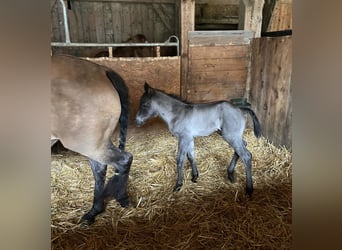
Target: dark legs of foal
[
  {"x": 246, "y": 156},
  {"x": 186, "y": 147},
  {"x": 116, "y": 186}
]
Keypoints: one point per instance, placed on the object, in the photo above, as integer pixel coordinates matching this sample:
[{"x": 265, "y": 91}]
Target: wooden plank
[
  {"x": 226, "y": 20},
  {"x": 73, "y": 31},
  {"x": 223, "y": 51},
  {"x": 99, "y": 22},
  {"x": 218, "y": 2},
  {"x": 55, "y": 24},
  {"x": 117, "y": 22},
  {"x": 215, "y": 92},
  {"x": 158, "y": 8},
  {"x": 108, "y": 23},
  {"x": 77, "y": 9},
  {"x": 130, "y": 1},
  {"x": 187, "y": 23},
  {"x": 281, "y": 17},
  {"x": 228, "y": 76},
  {"x": 85, "y": 21},
  {"x": 213, "y": 38},
  {"x": 126, "y": 31},
  {"x": 270, "y": 94},
  {"x": 251, "y": 16},
  {"x": 218, "y": 64}
]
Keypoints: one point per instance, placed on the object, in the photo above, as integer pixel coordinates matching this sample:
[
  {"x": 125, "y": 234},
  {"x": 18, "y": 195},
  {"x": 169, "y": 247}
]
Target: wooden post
[
  {"x": 187, "y": 23},
  {"x": 250, "y": 16}
]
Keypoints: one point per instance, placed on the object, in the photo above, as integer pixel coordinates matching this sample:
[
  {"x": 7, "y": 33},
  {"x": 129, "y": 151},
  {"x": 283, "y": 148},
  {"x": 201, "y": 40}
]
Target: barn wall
[
  {"x": 270, "y": 93},
  {"x": 162, "y": 73},
  {"x": 218, "y": 65},
  {"x": 110, "y": 21}
]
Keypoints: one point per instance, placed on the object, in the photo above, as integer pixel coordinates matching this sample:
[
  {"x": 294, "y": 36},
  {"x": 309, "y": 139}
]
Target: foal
[{"x": 186, "y": 121}]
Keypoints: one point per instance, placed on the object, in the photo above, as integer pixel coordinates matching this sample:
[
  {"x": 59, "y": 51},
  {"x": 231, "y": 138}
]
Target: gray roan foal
[{"x": 186, "y": 121}]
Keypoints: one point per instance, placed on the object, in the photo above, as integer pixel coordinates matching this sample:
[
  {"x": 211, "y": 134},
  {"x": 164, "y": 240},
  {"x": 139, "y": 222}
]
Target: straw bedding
[{"x": 210, "y": 214}]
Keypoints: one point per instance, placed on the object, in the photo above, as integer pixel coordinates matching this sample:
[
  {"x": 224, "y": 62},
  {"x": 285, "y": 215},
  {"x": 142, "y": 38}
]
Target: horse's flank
[{"x": 79, "y": 117}]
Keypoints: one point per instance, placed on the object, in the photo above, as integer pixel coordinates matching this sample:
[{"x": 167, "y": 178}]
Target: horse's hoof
[
  {"x": 86, "y": 221},
  {"x": 177, "y": 188},
  {"x": 194, "y": 178},
  {"x": 124, "y": 202},
  {"x": 249, "y": 192}
]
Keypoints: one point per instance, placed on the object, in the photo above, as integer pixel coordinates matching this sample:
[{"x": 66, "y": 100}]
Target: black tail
[
  {"x": 120, "y": 85},
  {"x": 256, "y": 123}
]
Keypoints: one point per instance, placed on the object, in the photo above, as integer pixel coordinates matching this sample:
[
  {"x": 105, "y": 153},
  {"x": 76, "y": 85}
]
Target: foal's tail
[
  {"x": 120, "y": 85},
  {"x": 256, "y": 123}
]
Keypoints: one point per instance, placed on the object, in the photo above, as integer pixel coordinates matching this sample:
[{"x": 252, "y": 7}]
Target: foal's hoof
[
  {"x": 124, "y": 202},
  {"x": 231, "y": 177},
  {"x": 194, "y": 178},
  {"x": 249, "y": 192},
  {"x": 177, "y": 188}
]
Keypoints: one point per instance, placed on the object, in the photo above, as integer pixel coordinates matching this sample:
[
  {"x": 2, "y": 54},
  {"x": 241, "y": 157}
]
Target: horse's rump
[{"x": 85, "y": 107}]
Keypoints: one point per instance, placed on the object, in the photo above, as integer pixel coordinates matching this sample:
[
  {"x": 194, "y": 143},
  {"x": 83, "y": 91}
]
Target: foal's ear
[{"x": 148, "y": 88}]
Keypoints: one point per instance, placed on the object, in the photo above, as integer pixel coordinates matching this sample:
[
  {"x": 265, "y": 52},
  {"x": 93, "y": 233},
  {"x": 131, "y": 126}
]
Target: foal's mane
[{"x": 173, "y": 96}]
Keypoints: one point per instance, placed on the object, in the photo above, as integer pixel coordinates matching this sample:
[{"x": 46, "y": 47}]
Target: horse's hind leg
[
  {"x": 117, "y": 185},
  {"x": 246, "y": 157},
  {"x": 232, "y": 164},
  {"x": 99, "y": 172},
  {"x": 191, "y": 158}
]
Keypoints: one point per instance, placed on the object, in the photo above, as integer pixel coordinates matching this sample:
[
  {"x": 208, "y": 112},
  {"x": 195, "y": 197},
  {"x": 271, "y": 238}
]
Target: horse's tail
[
  {"x": 256, "y": 123},
  {"x": 120, "y": 85}
]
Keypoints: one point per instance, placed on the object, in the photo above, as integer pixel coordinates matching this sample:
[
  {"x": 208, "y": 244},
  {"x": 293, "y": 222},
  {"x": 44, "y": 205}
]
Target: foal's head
[{"x": 146, "y": 109}]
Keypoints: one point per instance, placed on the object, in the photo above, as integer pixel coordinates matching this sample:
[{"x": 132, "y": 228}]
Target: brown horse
[{"x": 87, "y": 102}]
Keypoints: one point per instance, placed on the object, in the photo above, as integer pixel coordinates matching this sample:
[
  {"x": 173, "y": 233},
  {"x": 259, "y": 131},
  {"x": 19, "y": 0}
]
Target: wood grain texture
[
  {"x": 217, "y": 70},
  {"x": 115, "y": 21},
  {"x": 270, "y": 93}
]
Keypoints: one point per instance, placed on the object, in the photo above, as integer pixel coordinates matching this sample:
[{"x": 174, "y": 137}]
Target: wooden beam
[
  {"x": 187, "y": 23},
  {"x": 250, "y": 17},
  {"x": 130, "y": 1},
  {"x": 233, "y": 2}
]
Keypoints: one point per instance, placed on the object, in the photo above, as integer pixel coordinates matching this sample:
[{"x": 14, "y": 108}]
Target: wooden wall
[
  {"x": 162, "y": 73},
  {"x": 277, "y": 15},
  {"x": 110, "y": 21},
  {"x": 270, "y": 93},
  {"x": 218, "y": 65}
]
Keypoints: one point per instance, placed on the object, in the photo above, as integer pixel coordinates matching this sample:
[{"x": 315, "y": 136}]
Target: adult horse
[
  {"x": 87, "y": 102},
  {"x": 186, "y": 121}
]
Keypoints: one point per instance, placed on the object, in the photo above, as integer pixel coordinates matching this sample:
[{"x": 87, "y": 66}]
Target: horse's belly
[{"x": 205, "y": 129}]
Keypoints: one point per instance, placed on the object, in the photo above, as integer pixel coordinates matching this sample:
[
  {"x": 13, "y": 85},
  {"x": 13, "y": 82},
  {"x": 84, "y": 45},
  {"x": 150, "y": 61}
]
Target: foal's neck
[{"x": 166, "y": 106}]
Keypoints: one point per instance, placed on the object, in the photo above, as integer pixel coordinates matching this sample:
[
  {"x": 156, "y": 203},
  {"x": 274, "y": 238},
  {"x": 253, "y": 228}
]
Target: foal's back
[{"x": 204, "y": 119}]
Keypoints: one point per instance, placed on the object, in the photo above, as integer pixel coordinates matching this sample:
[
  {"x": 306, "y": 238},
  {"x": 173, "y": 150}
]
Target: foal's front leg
[{"x": 183, "y": 144}]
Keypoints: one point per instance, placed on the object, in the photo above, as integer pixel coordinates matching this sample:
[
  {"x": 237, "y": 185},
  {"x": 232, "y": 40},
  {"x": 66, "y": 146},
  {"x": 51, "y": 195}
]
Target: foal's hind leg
[
  {"x": 99, "y": 172},
  {"x": 191, "y": 158},
  {"x": 246, "y": 157},
  {"x": 232, "y": 165}
]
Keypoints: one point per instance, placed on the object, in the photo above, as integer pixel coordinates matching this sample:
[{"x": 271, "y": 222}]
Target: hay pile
[{"x": 209, "y": 214}]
